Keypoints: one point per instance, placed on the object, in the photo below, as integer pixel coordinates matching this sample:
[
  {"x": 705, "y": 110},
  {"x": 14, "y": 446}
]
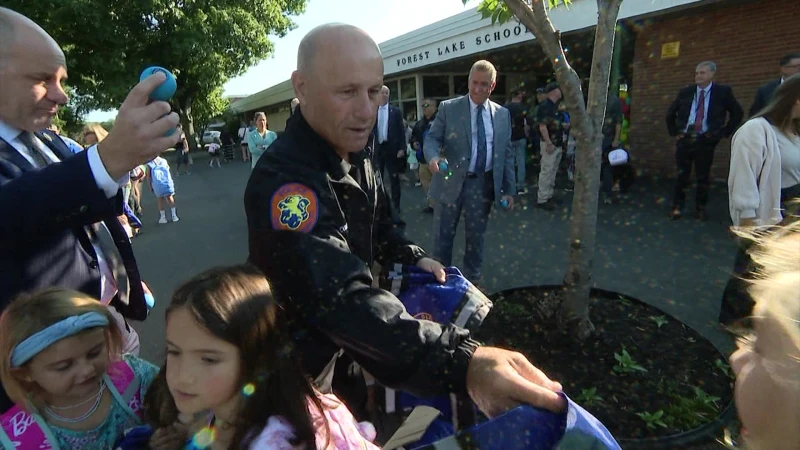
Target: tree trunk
[
  {"x": 187, "y": 122},
  {"x": 587, "y": 128}
]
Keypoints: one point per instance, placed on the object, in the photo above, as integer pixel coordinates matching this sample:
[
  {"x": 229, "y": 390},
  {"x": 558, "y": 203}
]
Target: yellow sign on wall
[{"x": 670, "y": 50}]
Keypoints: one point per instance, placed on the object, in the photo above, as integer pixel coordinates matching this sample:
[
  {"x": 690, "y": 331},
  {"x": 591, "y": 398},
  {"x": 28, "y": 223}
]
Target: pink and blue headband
[{"x": 34, "y": 344}]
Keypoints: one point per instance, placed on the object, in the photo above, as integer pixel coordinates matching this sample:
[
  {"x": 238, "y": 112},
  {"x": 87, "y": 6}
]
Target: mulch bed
[{"x": 674, "y": 376}]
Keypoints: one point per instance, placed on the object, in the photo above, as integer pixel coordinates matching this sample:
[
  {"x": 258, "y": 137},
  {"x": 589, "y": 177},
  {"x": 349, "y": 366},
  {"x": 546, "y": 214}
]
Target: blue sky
[{"x": 383, "y": 19}]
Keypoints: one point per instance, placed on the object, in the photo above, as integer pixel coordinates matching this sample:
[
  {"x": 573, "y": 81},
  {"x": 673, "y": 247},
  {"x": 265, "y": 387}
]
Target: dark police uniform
[{"x": 316, "y": 224}]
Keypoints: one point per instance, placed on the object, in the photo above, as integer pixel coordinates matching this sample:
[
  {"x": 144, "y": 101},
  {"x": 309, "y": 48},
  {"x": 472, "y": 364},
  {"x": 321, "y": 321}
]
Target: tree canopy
[{"x": 203, "y": 42}]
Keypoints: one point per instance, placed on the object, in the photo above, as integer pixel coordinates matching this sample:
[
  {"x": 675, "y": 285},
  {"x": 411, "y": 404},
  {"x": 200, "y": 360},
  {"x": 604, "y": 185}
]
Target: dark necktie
[
  {"x": 480, "y": 161},
  {"x": 101, "y": 237},
  {"x": 35, "y": 149},
  {"x": 98, "y": 234},
  {"x": 701, "y": 110}
]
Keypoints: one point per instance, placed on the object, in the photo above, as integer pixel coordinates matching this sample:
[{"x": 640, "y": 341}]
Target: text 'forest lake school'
[{"x": 481, "y": 38}]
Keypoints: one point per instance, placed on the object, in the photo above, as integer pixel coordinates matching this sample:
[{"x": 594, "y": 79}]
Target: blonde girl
[
  {"x": 62, "y": 368},
  {"x": 767, "y": 365},
  {"x": 93, "y": 133}
]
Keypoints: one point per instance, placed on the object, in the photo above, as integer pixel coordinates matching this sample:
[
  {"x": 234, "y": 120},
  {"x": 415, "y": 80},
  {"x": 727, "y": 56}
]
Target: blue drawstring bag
[
  {"x": 135, "y": 438},
  {"x": 457, "y": 301},
  {"x": 529, "y": 428}
]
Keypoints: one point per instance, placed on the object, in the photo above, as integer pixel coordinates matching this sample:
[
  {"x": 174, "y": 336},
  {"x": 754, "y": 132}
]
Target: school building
[{"x": 659, "y": 44}]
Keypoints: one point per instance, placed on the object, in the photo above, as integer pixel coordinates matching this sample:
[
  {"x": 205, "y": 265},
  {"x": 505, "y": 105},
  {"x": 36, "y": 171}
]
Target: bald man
[
  {"x": 59, "y": 211},
  {"x": 318, "y": 218}
]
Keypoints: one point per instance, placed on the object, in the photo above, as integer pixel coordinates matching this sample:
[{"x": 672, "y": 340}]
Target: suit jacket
[
  {"x": 43, "y": 242},
  {"x": 396, "y": 134},
  {"x": 721, "y": 104},
  {"x": 450, "y": 137},
  {"x": 764, "y": 96}
]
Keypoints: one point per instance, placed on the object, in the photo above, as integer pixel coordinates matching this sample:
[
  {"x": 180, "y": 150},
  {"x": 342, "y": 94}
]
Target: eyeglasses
[{"x": 425, "y": 105}]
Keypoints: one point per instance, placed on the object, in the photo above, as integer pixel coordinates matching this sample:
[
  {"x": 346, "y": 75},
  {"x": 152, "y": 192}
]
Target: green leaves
[
  {"x": 589, "y": 397},
  {"x": 626, "y": 364},
  {"x": 660, "y": 321},
  {"x": 207, "y": 107},
  {"x": 653, "y": 420},
  {"x": 203, "y": 42},
  {"x": 500, "y": 13},
  {"x": 496, "y": 9}
]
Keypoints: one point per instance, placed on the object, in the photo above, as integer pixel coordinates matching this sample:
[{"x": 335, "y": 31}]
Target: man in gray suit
[{"x": 473, "y": 134}]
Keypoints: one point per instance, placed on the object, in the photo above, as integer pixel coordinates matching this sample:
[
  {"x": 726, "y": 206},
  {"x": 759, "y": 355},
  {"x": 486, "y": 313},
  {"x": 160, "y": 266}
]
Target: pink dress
[{"x": 345, "y": 432}]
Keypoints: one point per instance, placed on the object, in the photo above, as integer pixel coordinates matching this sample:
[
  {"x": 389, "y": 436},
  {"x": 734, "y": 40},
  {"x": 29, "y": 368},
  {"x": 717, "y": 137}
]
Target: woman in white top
[{"x": 764, "y": 181}]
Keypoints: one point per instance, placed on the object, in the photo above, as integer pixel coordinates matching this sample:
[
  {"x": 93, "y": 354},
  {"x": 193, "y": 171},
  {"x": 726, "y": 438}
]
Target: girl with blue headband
[{"x": 61, "y": 366}]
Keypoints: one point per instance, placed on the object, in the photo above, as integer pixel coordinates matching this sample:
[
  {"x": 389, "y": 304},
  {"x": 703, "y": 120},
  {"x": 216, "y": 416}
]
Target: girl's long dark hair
[
  {"x": 236, "y": 305},
  {"x": 779, "y": 110}
]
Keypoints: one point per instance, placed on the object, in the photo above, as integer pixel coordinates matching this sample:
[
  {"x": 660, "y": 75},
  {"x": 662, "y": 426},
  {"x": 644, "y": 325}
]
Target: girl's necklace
[
  {"x": 97, "y": 399},
  {"x": 90, "y": 399}
]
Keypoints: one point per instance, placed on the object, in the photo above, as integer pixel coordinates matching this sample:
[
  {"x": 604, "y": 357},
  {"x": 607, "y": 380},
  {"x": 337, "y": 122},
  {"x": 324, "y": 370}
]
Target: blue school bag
[
  {"x": 529, "y": 428},
  {"x": 457, "y": 301}
]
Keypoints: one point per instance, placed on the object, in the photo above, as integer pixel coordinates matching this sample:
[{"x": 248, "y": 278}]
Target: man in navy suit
[
  {"x": 391, "y": 138},
  {"x": 59, "y": 224},
  {"x": 701, "y": 115},
  {"x": 790, "y": 65}
]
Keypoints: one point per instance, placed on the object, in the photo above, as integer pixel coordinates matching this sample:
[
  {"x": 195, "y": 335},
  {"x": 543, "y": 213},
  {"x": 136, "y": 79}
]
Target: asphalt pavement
[{"x": 678, "y": 266}]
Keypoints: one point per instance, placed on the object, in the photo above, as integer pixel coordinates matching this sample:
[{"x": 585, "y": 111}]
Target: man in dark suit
[
  {"x": 59, "y": 225},
  {"x": 790, "y": 65},
  {"x": 391, "y": 137},
  {"x": 697, "y": 118}
]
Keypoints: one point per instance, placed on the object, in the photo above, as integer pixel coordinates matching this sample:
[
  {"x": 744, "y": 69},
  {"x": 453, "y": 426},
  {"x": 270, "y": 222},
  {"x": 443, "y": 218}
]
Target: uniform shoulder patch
[{"x": 294, "y": 207}]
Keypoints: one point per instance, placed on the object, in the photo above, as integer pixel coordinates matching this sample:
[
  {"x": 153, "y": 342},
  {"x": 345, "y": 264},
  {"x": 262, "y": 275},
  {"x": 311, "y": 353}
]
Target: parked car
[{"x": 210, "y": 135}]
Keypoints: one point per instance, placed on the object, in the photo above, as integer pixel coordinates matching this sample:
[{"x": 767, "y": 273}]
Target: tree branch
[{"x": 535, "y": 17}]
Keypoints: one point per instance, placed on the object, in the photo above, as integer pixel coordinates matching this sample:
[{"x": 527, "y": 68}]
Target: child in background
[
  {"x": 162, "y": 186},
  {"x": 213, "y": 151},
  {"x": 413, "y": 165},
  {"x": 231, "y": 369},
  {"x": 63, "y": 369},
  {"x": 767, "y": 365}
]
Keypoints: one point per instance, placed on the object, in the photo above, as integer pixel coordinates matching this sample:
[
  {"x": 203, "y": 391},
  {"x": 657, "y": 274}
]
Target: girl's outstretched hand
[{"x": 173, "y": 437}]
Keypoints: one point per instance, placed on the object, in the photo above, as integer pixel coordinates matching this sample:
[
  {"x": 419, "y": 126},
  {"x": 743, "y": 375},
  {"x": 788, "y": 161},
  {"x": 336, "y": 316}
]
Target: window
[
  {"x": 408, "y": 88},
  {"x": 460, "y": 84},
  {"x": 500, "y": 87},
  {"x": 394, "y": 91},
  {"x": 409, "y": 111},
  {"x": 436, "y": 86}
]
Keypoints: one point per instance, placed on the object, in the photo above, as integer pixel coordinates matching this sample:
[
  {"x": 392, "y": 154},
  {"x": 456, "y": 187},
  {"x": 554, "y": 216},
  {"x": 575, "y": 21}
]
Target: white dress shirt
[
  {"x": 104, "y": 182},
  {"x": 693, "y": 112},
  {"x": 488, "y": 127},
  {"x": 383, "y": 123}
]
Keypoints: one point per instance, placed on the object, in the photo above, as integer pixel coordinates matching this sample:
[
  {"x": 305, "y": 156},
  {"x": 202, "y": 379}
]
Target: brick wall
[{"x": 746, "y": 40}]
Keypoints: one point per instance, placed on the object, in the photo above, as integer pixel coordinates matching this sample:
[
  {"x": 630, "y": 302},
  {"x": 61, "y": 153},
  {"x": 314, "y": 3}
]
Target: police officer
[{"x": 318, "y": 217}]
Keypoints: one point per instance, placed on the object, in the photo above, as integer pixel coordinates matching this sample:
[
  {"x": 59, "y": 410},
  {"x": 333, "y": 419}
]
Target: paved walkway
[{"x": 680, "y": 267}]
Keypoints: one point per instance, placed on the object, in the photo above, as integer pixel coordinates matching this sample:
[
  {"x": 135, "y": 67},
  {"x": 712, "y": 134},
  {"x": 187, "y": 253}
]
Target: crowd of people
[{"x": 255, "y": 353}]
